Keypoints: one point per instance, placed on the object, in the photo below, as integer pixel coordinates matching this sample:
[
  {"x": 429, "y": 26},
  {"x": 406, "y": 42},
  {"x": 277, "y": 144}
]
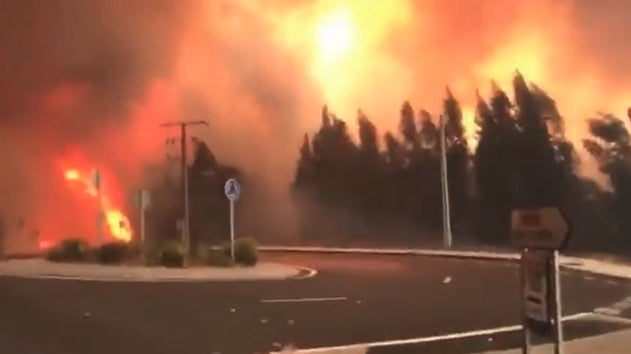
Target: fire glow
[{"x": 117, "y": 222}]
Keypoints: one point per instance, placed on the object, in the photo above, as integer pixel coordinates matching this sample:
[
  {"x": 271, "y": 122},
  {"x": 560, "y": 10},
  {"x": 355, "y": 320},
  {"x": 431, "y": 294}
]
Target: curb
[
  {"x": 573, "y": 264},
  {"x": 298, "y": 272},
  {"x": 304, "y": 273},
  {"x": 569, "y": 263},
  {"x": 396, "y": 251},
  {"x": 123, "y": 279}
]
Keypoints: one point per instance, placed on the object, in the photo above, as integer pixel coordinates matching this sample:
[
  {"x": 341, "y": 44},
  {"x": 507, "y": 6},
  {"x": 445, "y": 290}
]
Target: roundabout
[
  {"x": 40, "y": 268},
  {"x": 405, "y": 304}
]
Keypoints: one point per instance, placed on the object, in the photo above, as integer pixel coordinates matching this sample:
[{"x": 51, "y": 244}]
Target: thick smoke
[{"x": 90, "y": 81}]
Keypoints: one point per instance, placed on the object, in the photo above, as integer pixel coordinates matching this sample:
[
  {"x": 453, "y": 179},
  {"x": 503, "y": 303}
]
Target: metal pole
[
  {"x": 142, "y": 225},
  {"x": 558, "y": 324},
  {"x": 232, "y": 230},
  {"x": 185, "y": 228},
  {"x": 447, "y": 239},
  {"x": 525, "y": 346},
  {"x": 99, "y": 216},
  {"x": 186, "y": 239}
]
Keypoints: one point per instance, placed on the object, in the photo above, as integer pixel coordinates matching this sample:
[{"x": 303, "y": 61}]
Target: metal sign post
[
  {"x": 232, "y": 189},
  {"x": 558, "y": 336},
  {"x": 96, "y": 184},
  {"x": 143, "y": 200},
  {"x": 540, "y": 233}
]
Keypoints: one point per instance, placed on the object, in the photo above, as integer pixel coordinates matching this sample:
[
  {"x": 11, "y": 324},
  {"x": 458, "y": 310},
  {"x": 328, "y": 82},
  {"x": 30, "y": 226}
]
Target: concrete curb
[
  {"x": 155, "y": 275},
  {"x": 396, "y": 251},
  {"x": 305, "y": 273},
  {"x": 585, "y": 265}
]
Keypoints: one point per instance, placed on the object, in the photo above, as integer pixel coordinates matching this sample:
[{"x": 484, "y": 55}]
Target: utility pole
[
  {"x": 186, "y": 236},
  {"x": 447, "y": 241}
]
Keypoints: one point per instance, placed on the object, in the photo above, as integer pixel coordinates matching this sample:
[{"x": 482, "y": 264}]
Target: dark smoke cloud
[
  {"x": 109, "y": 48},
  {"x": 100, "y": 75},
  {"x": 69, "y": 71}
]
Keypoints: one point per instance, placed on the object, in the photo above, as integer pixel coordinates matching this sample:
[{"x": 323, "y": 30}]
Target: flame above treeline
[
  {"x": 260, "y": 71},
  {"x": 117, "y": 225}
]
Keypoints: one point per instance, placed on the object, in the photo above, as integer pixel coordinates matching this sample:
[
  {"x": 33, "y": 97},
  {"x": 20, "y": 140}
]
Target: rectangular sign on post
[
  {"x": 536, "y": 291},
  {"x": 543, "y": 228},
  {"x": 142, "y": 199},
  {"x": 540, "y": 233}
]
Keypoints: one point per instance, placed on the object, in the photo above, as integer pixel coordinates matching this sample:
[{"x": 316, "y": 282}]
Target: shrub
[
  {"x": 150, "y": 253},
  {"x": 215, "y": 257},
  {"x": 68, "y": 250},
  {"x": 245, "y": 251},
  {"x": 171, "y": 255},
  {"x": 113, "y": 252}
]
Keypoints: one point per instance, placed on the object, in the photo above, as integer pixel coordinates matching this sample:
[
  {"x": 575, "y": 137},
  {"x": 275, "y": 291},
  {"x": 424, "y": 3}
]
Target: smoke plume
[{"x": 88, "y": 82}]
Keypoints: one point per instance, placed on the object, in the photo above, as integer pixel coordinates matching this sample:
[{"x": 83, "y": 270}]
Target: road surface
[{"x": 353, "y": 299}]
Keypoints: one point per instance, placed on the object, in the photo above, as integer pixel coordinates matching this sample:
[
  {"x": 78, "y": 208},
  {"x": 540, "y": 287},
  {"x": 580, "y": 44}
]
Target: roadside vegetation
[{"x": 159, "y": 254}]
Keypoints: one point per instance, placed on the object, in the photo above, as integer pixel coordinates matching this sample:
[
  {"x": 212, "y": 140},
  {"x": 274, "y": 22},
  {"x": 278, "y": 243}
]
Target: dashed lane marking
[{"x": 304, "y": 299}]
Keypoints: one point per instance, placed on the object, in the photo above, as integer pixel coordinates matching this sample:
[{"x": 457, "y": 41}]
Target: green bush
[
  {"x": 69, "y": 250},
  {"x": 171, "y": 255},
  {"x": 245, "y": 251},
  {"x": 215, "y": 257},
  {"x": 113, "y": 253},
  {"x": 149, "y": 253}
]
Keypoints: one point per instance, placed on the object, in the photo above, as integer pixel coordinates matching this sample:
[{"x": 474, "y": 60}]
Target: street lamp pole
[
  {"x": 186, "y": 236},
  {"x": 447, "y": 239}
]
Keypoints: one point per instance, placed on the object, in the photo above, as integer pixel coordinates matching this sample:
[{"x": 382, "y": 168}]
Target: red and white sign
[{"x": 544, "y": 228}]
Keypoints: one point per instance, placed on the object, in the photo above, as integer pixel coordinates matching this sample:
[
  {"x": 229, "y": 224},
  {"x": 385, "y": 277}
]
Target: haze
[{"x": 86, "y": 83}]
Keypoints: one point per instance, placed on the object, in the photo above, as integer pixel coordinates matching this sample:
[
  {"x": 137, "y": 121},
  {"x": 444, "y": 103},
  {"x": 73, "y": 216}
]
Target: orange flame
[{"x": 117, "y": 222}]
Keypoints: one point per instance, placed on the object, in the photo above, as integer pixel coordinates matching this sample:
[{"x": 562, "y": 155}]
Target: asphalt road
[{"x": 353, "y": 299}]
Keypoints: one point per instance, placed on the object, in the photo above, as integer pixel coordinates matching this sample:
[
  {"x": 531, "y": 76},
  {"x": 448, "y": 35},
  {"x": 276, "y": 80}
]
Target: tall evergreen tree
[
  {"x": 538, "y": 172},
  {"x": 369, "y": 174},
  {"x": 407, "y": 125},
  {"x": 457, "y": 156},
  {"x": 610, "y": 145},
  {"x": 494, "y": 167},
  {"x": 305, "y": 170},
  {"x": 428, "y": 132}
]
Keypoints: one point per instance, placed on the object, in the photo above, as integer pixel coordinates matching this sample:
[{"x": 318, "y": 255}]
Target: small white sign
[
  {"x": 143, "y": 199},
  {"x": 232, "y": 189}
]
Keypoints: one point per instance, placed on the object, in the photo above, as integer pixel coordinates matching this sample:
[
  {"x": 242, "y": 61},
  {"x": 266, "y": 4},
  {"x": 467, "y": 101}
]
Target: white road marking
[
  {"x": 615, "y": 309},
  {"x": 612, "y": 318},
  {"x": 304, "y": 299},
  {"x": 461, "y": 335},
  {"x": 607, "y": 311}
]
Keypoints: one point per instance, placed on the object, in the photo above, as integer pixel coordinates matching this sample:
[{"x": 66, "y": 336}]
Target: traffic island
[
  {"x": 41, "y": 268},
  {"x": 116, "y": 261},
  {"x": 172, "y": 254}
]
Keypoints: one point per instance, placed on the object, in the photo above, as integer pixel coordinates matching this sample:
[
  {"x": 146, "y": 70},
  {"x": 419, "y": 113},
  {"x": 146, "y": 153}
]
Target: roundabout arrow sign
[{"x": 543, "y": 228}]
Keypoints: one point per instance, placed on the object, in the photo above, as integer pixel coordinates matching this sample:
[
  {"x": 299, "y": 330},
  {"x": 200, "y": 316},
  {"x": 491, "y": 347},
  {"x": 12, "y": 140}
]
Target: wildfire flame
[{"x": 116, "y": 221}]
